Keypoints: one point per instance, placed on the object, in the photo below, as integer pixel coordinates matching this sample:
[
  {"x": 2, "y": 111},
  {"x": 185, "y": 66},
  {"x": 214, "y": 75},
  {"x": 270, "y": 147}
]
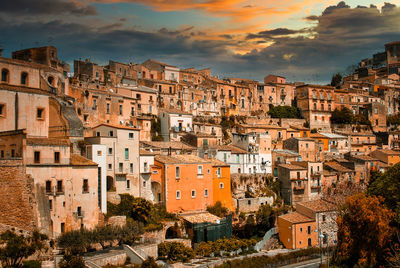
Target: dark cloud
[
  {"x": 45, "y": 7},
  {"x": 312, "y": 18},
  {"x": 272, "y": 33},
  {"x": 341, "y": 37},
  {"x": 330, "y": 9},
  {"x": 337, "y": 38}
]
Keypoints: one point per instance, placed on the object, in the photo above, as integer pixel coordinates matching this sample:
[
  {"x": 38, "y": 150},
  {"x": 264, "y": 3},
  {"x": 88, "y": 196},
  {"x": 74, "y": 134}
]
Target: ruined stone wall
[{"x": 17, "y": 201}]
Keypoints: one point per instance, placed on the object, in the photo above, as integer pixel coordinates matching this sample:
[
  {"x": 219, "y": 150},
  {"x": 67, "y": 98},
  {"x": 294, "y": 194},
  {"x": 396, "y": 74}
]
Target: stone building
[{"x": 316, "y": 103}]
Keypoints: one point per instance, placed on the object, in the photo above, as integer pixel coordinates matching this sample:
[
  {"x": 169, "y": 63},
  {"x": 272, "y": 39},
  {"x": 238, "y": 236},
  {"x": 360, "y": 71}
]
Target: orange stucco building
[
  {"x": 222, "y": 184},
  {"x": 186, "y": 182}
]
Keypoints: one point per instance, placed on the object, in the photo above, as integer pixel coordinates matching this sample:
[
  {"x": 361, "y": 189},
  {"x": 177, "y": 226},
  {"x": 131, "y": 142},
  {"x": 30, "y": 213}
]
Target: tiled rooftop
[{"x": 296, "y": 217}]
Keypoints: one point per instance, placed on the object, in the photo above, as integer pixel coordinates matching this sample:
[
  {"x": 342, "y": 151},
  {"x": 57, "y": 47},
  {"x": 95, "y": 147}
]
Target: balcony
[
  {"x": 146, "y": 170},
  {"x": 78, "y": 214}
]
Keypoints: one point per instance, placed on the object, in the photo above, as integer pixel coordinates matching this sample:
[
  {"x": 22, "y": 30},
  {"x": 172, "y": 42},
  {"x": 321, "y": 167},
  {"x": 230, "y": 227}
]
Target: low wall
[
  {"x": 149, "y": 249},
  {"x": 186, "y": 242}
]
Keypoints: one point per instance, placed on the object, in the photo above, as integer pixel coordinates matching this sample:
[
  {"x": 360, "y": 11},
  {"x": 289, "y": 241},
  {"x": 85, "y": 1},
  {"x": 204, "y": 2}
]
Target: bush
[
  {"x": 218, "y": 209},
  {"x": 16, "y": 247},
  {"x": 79, "y": 241},
  {"x": 32, "y": 264},
  {"x": 175, "y": 251},
  {"x": 72, "y": 261}
]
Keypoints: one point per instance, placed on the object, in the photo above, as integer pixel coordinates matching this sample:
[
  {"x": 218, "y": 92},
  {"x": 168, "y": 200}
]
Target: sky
[{"x": 303, "y": 40}]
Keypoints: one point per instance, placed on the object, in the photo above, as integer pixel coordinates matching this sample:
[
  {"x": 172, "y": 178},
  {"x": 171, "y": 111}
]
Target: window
[
  {"x": 40, "y": 113},
  {"x": 221, "y": 185},
  {"x": 79, "y": 211},
  {"x": 131, "y": 168},
  {"x": 177, "y": 172},
  {"x": 131, "y": 135},
  {"x": 60, "y": 186},
  {"x": 306, "y": 145},
  {"x": 24, "y": 78},
  {"x": 62, "y": 227},
  {"x": 193, "y": 194},
  {"x": 301, "y": 230},
  {"x": 126, "y": 153},
  {"x": 128, "y": 184},
  {"x": 108, "y": 108},
  {"x": 178, "y": 194},
  {"x": 121, "y": 167},
  {"x": 376, "y": 110},
  {"x": 48, "y": 187},
  {"x": 111, "y": 133},
  {"x": 170, "y": 90},
  {"x": 50, "y": 79},
  {"x": 110, "y": 151},
  {"x": 138, "y": 96},
  {"x": 308, "y": 229},
  {"x": 323, "y": 218},
  {"x": 56, "y": 157},
  {"x": 50, "y": 204},
  {"x": 85, "y": 187},
  {"x": 315, "y": 106},
  {"x": 12, "y": 152},
  {"x": 219, "y": 172},
  {"x": 132, "y": 111},
  {"x": 99, "y": 153},
  {"x": 248, "y": 202},
  {"x": 2, "y": 109},
  {"x": 206, "y": 192},
  {"x": 144, "y": 184},
  {"x": 5, "y": 75},
  {"x": 2, "y": 153},
  {"x": 120, "y": 109},
  {"x": 341, "y": 99},
  {"x": 109, "y": 166},
  {"x": 199, "y": 170},
  {"x": 225, "y": 157},
  {"x": 36, "y": 157}
]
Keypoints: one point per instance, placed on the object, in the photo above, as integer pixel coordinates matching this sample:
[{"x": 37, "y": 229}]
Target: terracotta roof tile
[
  {"x": 200, "y": 217},
  {"x": 232, "y": 148},
  {"x": 318, "y": 205},
  {"x": 116, "y": 126},
  {"x": 296, "y": 217},
  {"x": 47, "y": 141},
  {"x": 336, "y": 166},
  {"x": 292, "y": 167},
  {"x": 181, "y": 159},
  {"x": 77, "y": 160},
  {"x": 175, "y": 145},
  {"x": 218, "y": 163}
]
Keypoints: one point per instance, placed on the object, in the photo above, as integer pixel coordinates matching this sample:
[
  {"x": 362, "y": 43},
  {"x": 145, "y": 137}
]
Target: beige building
[{"x": 122, "y": 157}]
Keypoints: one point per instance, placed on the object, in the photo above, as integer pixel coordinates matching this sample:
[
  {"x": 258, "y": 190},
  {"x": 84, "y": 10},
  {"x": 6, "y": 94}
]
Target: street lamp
[{"x": 320, "y": 236}]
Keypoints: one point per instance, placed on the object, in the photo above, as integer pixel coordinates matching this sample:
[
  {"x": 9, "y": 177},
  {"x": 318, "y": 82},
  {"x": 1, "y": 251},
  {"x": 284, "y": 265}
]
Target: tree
[
  {"x": 284, "y": 112},
  {"x": 343, "y": 116},
  {"x": 364, "y": 232},
  {"x": 387, "y": 185},
  {"x": 16, "y": 247},
  {"x": 336, "y": 80},
  {"x": 218, "y": 209},
  {"x": 265, "y": 219}
]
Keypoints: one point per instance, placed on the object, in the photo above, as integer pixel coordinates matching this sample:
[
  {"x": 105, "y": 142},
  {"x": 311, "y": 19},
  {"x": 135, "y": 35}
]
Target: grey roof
[{"x": 333, "y": 135}]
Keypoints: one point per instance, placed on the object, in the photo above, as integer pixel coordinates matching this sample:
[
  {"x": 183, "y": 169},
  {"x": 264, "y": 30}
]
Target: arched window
[
  {"x": 24, "y": 78},
  {"x": 5, "y": 75},
  {"x": 50, "y": 79}
]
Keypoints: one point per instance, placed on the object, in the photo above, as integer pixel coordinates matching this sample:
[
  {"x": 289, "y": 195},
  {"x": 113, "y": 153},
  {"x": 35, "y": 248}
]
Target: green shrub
[
  {"x": 175, "y": 251},
  {"x": 32, "y": 264}
]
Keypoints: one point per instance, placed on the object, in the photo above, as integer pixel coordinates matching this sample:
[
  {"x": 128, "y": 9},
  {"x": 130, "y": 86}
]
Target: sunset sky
[{"x": 304, "y": 40}]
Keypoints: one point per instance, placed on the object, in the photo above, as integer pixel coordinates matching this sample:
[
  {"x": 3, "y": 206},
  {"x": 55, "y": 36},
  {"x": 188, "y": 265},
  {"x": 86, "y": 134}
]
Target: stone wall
[
  {"x": 150, "y": 250},
  {"x": 17, "y": 202}
]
